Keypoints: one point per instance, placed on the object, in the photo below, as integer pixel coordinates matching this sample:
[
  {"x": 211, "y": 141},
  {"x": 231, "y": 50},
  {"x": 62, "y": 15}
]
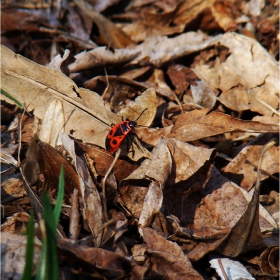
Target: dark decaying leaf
[
  {"x": 47, "y": 161},
  {"x": 95, "y": 259}
]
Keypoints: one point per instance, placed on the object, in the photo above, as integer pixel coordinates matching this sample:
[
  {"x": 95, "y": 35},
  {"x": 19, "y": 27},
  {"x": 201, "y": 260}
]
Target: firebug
[{"x": 119, "y": 132}]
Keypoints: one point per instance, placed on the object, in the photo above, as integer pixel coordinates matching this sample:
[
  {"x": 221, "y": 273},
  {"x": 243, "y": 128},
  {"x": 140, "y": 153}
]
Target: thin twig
[
  {"x": 108, "y": 84},
  {"x": 74, "y": 216},
  {"x": 19, "y": 142},
  {"x": 222, "y": 269},
  {"x": 104, "y": 184},
  {"x": 118, "y": 217},
  {"x": 268, "y": 106}
]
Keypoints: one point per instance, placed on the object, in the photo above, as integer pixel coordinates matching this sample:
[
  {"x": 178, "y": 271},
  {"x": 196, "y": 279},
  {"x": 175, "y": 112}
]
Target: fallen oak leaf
[{"x": 199, "y": 124}]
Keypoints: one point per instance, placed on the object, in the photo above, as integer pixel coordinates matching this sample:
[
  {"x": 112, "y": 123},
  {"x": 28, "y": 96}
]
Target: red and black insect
[{"x": 119, "y": 132}]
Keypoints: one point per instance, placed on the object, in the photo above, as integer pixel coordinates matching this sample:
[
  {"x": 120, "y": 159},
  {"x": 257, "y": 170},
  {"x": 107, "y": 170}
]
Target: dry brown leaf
[
  {"x": 151, "y": 136},
  {"x": 248, "y": 74},
  {"x": 95, "y": 258},
  {"x": 102, "y": 160},
  {"x": 158, "y": 50},
  {"x": 198, "y": 124},
  {"x": 202, "y": 95},
  {"x": 147, "y": 21},
  {"x": 242, "y": 169},
  {"x": 11, "y": 188},
  {"x": 144, "y": 202},
  {"x": 109, "y": 33},
  {"x": 181, "y": 77},
  {"x": 53, "y": 123},
  {"x": 248, "y": 228},
  {"x": 43, "y": 160},
  {"x": 16, "y": 223},
  {"x": 269, "y": 261},
  {"x": 167, "y": 259},
  {"x": 92, "y": 203},
  {"x": 216, "y": 209},
  {"x": 102, "y": 57},
  {"x": 145, "y": 101},
  {"x": 40, "y": 86},
  {"x": 61, "y": 63},
  {"x": 187, "y": 159}
]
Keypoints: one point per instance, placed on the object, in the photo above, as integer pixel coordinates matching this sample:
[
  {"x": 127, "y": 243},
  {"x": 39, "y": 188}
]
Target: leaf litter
[{"x": 185, "y": 195}]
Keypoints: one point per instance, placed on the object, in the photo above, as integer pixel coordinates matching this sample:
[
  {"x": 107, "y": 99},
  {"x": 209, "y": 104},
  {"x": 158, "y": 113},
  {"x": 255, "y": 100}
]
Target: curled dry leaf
[
  {"x": 146, "y": 101},
  {"x": 216, "y": 209},
  {"x": 153, "y": 173},
  {"x": 92, "y": 203},
  {"x": 187, "y": 159},
  {"x": 102, "y": 160},
  {"x": 181, "y": 77},
  {"x": 16, "y": 223},
  {"x": 198, "y": 124},
  {"x": 146, "y": 23},
  {"x": 248, "y": 74},
  {"x": 269, "y": 261},
  {"x": 203, "y": 95},
  {"x": 61, "y": 63},
  {"x": 12, "y": 188},
  {"x": 220, "y": 14},
  {"x": 166, "y": 257},
  {"x": 242, "y": 169},
  {"x": 44, "y": 159}
]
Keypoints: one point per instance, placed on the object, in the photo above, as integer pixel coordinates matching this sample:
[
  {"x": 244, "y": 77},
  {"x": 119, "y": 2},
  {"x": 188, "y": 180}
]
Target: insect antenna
[{"x": 141, "y": 114}]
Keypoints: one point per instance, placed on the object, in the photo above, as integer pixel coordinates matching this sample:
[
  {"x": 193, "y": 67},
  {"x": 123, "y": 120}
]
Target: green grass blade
[
  {"x": 52, "y": 261},
  {"x": 42, "y": 268},
  {"x": 12, "y": 98},
  {"x": 59, "y": 200},
  {"x": 27, "y": 274}
]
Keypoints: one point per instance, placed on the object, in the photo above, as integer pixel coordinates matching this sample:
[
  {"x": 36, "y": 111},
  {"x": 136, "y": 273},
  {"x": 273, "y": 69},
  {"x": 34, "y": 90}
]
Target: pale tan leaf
[
  {"x": 146, "y": 101},
  {"x": 248, "y": 74},
  {"x": 242, "y": 169},
  {"x": 85, "y": 114},
  {"x": 53, "y": 123}
]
